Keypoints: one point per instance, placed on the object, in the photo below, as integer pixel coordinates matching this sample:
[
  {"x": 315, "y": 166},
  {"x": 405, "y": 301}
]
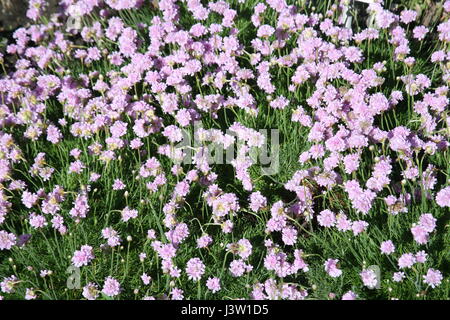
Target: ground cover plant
[{"x": 225, "y": 150}]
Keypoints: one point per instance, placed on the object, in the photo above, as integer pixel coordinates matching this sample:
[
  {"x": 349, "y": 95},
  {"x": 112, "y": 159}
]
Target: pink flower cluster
[{"x": 103, "y": 108}]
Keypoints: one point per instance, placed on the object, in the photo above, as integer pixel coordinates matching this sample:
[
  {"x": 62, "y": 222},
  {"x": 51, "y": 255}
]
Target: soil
[{"x": 13, "y": 13}]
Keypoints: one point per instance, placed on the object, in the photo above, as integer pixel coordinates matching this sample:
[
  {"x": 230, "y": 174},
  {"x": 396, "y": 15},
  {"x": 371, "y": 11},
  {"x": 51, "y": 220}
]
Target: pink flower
[
  {"x": 90, "y": 291},
  {"x": 7, "y": 240},
  {"x": 239, "y": 267},
  {"x": 420, "y": 234},
  {"x": 419, "y": 32},
  {"x": 53, "y": 134},
  {"x": 213, "y": 284},
  {"x": 177, "y": 294},
  {"x": 29, "y": 199},
  {"x": 384, "y": 18},
  {"x": 279, "y": 103},
  {"x": 93, "y": 54},
  {"x": 111, "y": 287},
  {"x": 145, "y": 278},
  {"x": 421, "y": 256},
  {"x": 118, "y": 129},
  {"x": 80, "y": 207},
  {"x": 427, "y": 224},
  {"x": 76, "y": 167},
  {"x": 151, "y": 234},
  {"x": 343, "y": 223},
  {"x": 195, "y": 269},
  {"x": 204, "y": 241},
  {"x": 331, "y": 268},
  {"x": 433, "y": 277},
  {"x": 136, "y": 143},
  {"x": 127, "y": 42},
  {"x": 183, "y": 117},
  {"x": 118, "y": 185},
  {"x": 326, "y": 218},
  {"x": 244, "y": 248},
  {"x": 369, "y": 278},
  {"x": 289, "y": 235},
  {"x": 128, "y": 214},
  {"x": 173, "y": 133},
  {"x": 112, "y": 236},
  {"x": 265, "y": 31},
  {"x": 351, "y": 163},
  {"x": 178, "y": 234},
  {"x": 406, "y": 260},
  {"x": 94, "y": 177},
  {"x": 8, "y": 284},
  {"x": 36, "y": 8},
  {"x": 30, "y": 294},
  {"x": 387, "y": 247},
  {"x": 257, "y": 201},
  {"x": 443, "y": 197},
  {"x": 37, "y": 221},
  {"x": 447, "y": 6},
  {"x": 408, "y": 16},
  {"x": 398, "y": 276},
  {"x": 83, "y": 256},
  {"x": 350, "y": 295},
  {"x": 359, "y": 226},
  {"x": 361, "y": 199}
]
